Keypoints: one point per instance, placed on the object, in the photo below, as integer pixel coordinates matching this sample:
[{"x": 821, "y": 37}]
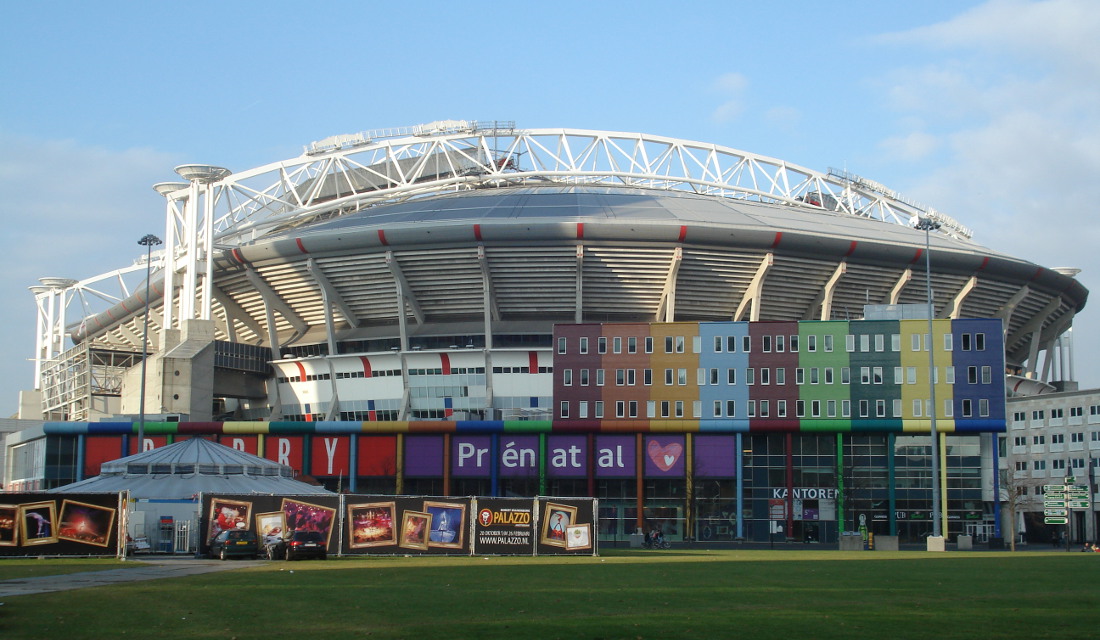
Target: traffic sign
[
  {"x": 1054, "y": 504},
  {"x": 1054, "y": 520},
  {"x": 1055, "y": 512},
  {"x": 1078, "y": 504},
  {"x": 1053, "y": 487}
]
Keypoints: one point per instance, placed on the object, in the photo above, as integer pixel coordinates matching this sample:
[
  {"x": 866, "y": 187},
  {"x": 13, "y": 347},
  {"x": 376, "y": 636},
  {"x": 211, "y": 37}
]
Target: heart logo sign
[{"x": 666, "y": 456}]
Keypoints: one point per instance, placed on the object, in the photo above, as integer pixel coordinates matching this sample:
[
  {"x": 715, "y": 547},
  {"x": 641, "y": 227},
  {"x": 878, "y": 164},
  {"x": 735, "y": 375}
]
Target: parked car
[
  {"x": 299, "y": 544},
  {"x": 235, "y": 543}
]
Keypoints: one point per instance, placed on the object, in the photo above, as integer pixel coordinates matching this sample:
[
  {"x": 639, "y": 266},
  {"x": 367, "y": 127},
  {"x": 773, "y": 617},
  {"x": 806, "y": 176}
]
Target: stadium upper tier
[{"x": 474, "y": 230}]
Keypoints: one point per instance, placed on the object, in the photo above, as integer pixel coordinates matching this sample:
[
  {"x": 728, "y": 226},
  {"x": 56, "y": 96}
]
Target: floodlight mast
[
  {"x": 148, "y": 241},
  {"x": 929, "y": 224}
]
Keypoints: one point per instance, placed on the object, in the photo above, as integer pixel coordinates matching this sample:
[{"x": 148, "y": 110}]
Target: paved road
[{"x": 149, "y": 568}]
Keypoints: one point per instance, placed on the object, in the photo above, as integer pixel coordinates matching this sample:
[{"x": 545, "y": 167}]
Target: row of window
[
  {"x": 773, "y": 343},
  {"x": 763, "y": 408},
  {"x": 1055, "y": 465},
  {"x": 382, "y": 373},
  {"x": 767, "y": 376},
  {"x": 1055, "y": 438},
  {"x": 1056, "y": 413}
]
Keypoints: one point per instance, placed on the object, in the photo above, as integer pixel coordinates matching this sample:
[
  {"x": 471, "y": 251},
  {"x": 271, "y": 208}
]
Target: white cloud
[
  {"x": 1005, "y": 105},
  {"x": 731, "y": 87},
  {"x": 911, "y": 147}
]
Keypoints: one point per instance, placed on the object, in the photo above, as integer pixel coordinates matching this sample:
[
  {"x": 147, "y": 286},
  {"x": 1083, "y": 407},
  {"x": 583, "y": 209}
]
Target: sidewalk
[{"x": 148, "y": 568}]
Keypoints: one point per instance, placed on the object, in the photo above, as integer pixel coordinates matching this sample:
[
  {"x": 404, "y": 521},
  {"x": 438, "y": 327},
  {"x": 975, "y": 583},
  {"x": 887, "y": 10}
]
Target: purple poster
[
  {"x": 424, "y": 456},
  {"x": 519, "y": 456},
  {"x": 715, "y": 456},
  {"x": 470, "y": 457},
  {"x": 615, "y": 457},
  {"x": 567, "y": 456},
  {"x": 664, "y": 456}
]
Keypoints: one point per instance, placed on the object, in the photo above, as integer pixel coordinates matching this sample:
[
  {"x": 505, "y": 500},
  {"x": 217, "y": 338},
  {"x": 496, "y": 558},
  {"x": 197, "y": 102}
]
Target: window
[
  {"x": 584, "y": 377},
  {"x": 599, "y": 377},
  {"x": 830, "y": 406},
  {"x": 752, "y": 408},
  {"x": 966, "y": 407},
  {"x": 780, "y": 375},
  {"x": 765, "y": 408},
  {"x": 1057, "y": 465},
  {"x": 731, "y": 408},
  {"x": 918, "y": 408},
  {"x": 1038, "y": 439},
  {"x": 682, "y": 377},
  {"x": 794, "y": 344},
  {"x": 876, "y": 374},
  {"x": 800, "y": 376},
  {"x": 717, "y": 344},
  {"x": 811, "y": 343},
  {"x": 731, "y": 376},
  {"x": 620, "y": 377},
  {"x": 647, "y": 377},
  {"x": 1019, "y": 441},
  {"x": 987, "y": 375},
  {"x": 620, "y": 409},
  {"x": 914, "y": 344},
  {"x": 865, "y": 342},
  {"x": 679, "y": 344},
  {"x": 910, "y": 375},
  {"x": 567, "y": 377},
  {"x": 746, "y": 344},
  {"x": 983, "y": 407},
  {"x": 701, "y": 376},
  {"x": 765, "y": 375},
  {"x": 1077, "y": 437},
  {"x": 814, "y": 375},
  {"x": 845, "y": 375},
  {"x": 899, "y": 375},
  {"x": 781, "y": 408},
  {"x": 845, "y": 408},
  {"x": 561, "y": 345},
  {"x": 665, "y": 409},
  {"x": 1040, "y": 465},
  {"x": 598, "y": 408},
  {"x": 972, "y": 375},
  {"x": 849, "y": 343},
  {"x": 880, "y": 342},
  {"x": 584, "y": 345},
  {"x": 965, "y": 342},
  {"x": 616, "y": 345},
  {"x": 716, "y": 411},
  {"x": 679, "y": 408},
  {"x": 731, "y": 343},
  {"x": 668, "y": 344},
  {"x": 815, "y": 408},
  {"x": 601, "y": 345},
  {"x": 750, "y": 376},
  {"x": 766, "y": 344},
  {"x": 827, "y": 342},
  {"x": 564, "y": 411},
  {"x": 895, "y": 342},
  {"x": 864, "y": 408},
  {"x": 631, "y": 377},
  {"x": 779, "y": 344},
  {"x": 582, "y": 409},
  {"x": 633, "y": 408},
  {"x": 668, "y": 377},
  {"x": 800, "y": 408},
  {"x": 949, "y": 372},
  {"x": 649, "y": 344},
  {"x": 880, "y": 408},
  {"x": 865, "y": 375},
  {"x": 896, "y": 408},
  {"x": 1057, "y": 438},
  {"x": 948, "y": 342},
  {"x": 632, "y": 345}
]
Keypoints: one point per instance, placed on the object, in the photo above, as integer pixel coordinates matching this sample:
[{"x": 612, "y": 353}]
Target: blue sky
[{"x": 985, "y": 110}]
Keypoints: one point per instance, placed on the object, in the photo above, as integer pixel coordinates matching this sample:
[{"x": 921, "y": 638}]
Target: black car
[
  {"x": 235, "y": 543},
  {"x": 300, "y": 544}
]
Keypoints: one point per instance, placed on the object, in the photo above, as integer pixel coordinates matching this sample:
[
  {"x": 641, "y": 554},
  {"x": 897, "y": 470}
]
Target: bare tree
[{"x": 1014, "y": 491}]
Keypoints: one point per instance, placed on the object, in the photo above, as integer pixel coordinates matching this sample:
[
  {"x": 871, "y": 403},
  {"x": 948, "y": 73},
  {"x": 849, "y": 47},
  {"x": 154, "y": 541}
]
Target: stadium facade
[{"x": 392, "y": 301}]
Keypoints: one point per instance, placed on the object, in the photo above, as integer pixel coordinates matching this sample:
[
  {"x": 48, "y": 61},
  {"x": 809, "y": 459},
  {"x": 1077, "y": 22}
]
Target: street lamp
[
  {"x": 929, "y": 224},
  {"x": 148, "y": 241}
]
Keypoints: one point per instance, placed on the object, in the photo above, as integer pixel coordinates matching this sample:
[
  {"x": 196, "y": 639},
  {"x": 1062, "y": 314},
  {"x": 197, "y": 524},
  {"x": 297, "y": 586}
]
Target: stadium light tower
[
  {"x": 929, "y": 224},
  {"x": 148, "y": 241}
]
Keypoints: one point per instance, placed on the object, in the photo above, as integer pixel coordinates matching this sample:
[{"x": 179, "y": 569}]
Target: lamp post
[
  {"x": 928, "y": 224},
  {"x": 148, "y": 241}
]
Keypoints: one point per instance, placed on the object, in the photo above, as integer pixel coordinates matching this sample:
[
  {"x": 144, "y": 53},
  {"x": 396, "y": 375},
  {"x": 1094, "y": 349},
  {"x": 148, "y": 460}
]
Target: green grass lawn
[{"x": 624, "y": 594}]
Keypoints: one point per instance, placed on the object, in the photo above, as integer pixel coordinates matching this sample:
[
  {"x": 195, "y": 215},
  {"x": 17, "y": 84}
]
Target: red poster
[
  {"x": 331, "y": 456},
  {"x": 247, "y": 444},
  {"x": 151, "y": 442},
  {"x": 100, "y": 449},
  {"x": 284, "y": 450},
  {"x": 377, "y": 456}
]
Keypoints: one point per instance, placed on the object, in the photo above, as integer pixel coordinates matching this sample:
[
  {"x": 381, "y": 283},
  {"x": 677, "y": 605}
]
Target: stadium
[{"x": 373, "y": 301}]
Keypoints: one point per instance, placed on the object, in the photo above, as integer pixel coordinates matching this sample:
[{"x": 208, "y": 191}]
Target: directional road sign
[{"x": 1055, "y": 520}]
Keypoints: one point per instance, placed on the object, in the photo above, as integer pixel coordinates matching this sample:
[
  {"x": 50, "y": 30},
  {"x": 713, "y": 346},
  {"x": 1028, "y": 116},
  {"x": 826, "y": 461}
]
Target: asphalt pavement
[{"x": 148, "y": 568}]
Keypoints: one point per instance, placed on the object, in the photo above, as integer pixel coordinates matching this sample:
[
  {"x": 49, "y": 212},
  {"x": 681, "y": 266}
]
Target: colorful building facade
[{"x": 714, "y": 431}]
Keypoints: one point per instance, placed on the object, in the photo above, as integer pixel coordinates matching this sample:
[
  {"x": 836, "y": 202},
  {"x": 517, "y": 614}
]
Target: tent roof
[{"x": 186, "y": 468}]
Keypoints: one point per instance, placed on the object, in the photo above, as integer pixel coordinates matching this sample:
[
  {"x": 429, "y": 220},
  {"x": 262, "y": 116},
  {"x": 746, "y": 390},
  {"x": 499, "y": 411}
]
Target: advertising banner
[
  {"x": 615, "y": 456},
  {"x": 715, "y": 456},
  {"x": 59, "y": 524},
  {"x": 566, "y": 526},
  {"x": 407, "y": 525},
  {"x": 567, "y": 456},
  {"x": 424, "y": 456},
  {"x": 504, "y": 526},
  {"x": 664, "y": 456}
]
